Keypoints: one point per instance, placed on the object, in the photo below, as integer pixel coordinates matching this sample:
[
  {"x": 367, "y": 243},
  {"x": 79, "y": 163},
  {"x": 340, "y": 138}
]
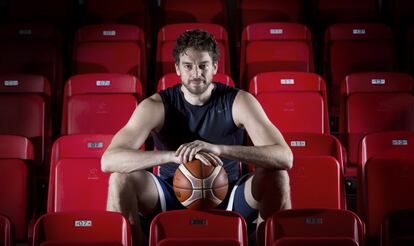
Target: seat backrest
[
  {"x": 316, "y": 182},
  {"x": 6, "y": 231},
  {"x": 172, "y": 79},
  {"x": 166, "y": 42},
  {"x": 218, "y": 226},
  {"x": 397, "y": 227},
  {"x": 184, "y": 11},
  {"x": 32, "y": 49},
  {"x": 99, "y": 103},
  {"x": 308, "y": 85},
  {"x": 82, "y": 228},
  {"x": 387, "y": 185},
  {"x": 314, "y": 224},
  {"x": 356, "y": 47},
  {"x": 374, "y": 102},
  {"x": 251, "y": 11},
  {"x": 275, "y": 46},
  {"x": 321, "y": 241},
  {"x": 76, "y": 181},
  {"x": 110, "y": 48},
  {"x": 15, "y": 152},
  {"x": 25, "y": 103},
  {"x": 116, "y": 11}
]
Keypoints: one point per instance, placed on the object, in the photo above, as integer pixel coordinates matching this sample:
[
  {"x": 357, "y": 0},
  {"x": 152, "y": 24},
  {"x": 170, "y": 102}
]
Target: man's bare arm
[
  {"x": 270, "y": 149},
  {"x": 123, "y": 154}
]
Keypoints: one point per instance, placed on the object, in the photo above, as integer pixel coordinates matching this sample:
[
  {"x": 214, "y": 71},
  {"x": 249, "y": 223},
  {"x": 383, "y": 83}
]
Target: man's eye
[
  {"x": 202, "y": 67},
  {"x": 188, "y": 67}
]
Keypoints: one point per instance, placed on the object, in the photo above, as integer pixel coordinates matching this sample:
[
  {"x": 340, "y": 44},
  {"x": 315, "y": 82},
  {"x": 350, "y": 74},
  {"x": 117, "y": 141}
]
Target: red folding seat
[
  {"x": 32, "y": 49},
  {"x": 253, "y": 11},
  {"x": 290, "y": 97},
  {"x": 183, "y": 11},
  {"x": 193, "y": 227},
  {"x": 330, "y": 12},
  {"x": 398, "y": 228},
  {"x": 388, "y": 186},
  {"x": 99, "y": 103},
  {"x": 110, "y": 48},
  {"x": 76, "y": 181},
  {"x": 316, "y": 182},
  {"x": 6, "y": 231},
  {"x": 166, "y": 42},
  {"x": 172, "y": 79},
  {"x": 15, "y": 153},
  {"x": 356, "y": 47},
  {"x": 382, "y": 144},
  {"x": 308, "y": 227},
  {"x": 82, "y": 228},
  {"x": 24, "y": 107},
  {"x": 268, "y": 47},
  {"x": 134, "y": 12},
  {"x": 374, "y": 102}
]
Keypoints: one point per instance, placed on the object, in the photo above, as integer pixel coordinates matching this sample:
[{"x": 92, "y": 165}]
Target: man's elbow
[{"x": 289, "y": 159}]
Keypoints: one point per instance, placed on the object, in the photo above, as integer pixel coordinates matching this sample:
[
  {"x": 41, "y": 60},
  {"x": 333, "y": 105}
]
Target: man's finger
[
  {"x": 216, "y": 159},
  {"x": 203, "y": 159}
]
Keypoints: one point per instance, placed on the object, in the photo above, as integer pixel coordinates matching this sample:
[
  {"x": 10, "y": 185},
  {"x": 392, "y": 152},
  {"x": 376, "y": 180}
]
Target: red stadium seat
[
  {"x": 381, "y": 144},
  {"x": 82, "y": 228},
  {"x": 15, "y": 153},
  {"x": 374, "y": 102},
  {"x": 268, "y": 47},
  {"x": 110, "y": 48},
  {"x": 290, "y": 97},
  {"x": 387, "y": 184},
  {"x": 99, "y": 103},
  {"x": 314, "y": 227},
  {"x": 193, "y": 227},
  {"x": 316, "y": 182},
  {"x": 6, "y": 231},
  {"x": 25, "y": 103},
  {"x": 76, "y": 181},
  {"x": 172, "y": 79},
  {"x": 166, "y": 42},
  {"x": 330, "y": 12},
  {"x": 356, "y": 47},
  {"x": 184, "y": 11},
  {"x": 398, "y": 228},
  {"x": 32, "y": 49},
  {"x": 256, "y": 11},
  {"x": 116, "y": 11}
]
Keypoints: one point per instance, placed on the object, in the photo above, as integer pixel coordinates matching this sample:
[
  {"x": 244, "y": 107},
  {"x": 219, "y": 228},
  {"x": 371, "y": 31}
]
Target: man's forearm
[
  {"x": 126, "y": 161},
  {"x": 270, "y": 156}
]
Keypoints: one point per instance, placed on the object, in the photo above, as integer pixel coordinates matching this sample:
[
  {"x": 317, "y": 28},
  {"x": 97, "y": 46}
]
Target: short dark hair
[{"x": 199, "y": 40}]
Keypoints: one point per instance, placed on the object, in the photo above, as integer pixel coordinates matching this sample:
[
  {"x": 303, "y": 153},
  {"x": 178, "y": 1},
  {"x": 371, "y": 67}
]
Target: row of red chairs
[
  {"x": 265, "y": 47},
  {"x": 103, "y": 103},
  {"x": 77, "y": 183},
  {"x": 175, "y": 11}
]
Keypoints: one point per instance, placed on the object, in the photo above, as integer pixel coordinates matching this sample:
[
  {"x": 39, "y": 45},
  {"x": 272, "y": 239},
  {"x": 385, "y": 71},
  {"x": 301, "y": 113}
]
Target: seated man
[{"x": 198, "y": 119}]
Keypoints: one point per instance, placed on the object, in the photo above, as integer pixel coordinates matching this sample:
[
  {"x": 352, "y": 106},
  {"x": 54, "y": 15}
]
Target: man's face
[{"x": 196, "y": 69}]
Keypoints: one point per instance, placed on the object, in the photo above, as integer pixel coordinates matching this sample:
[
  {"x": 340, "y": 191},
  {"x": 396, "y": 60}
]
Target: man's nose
[{"x": 196, "y": 71}]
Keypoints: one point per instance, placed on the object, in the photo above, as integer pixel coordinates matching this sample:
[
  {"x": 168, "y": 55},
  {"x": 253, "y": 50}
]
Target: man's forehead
[{"x": 191, "y": 55}]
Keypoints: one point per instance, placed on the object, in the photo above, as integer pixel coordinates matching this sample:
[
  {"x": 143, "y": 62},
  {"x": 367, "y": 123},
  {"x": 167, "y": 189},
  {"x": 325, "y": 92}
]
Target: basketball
[{"x": 200, "y": 187}]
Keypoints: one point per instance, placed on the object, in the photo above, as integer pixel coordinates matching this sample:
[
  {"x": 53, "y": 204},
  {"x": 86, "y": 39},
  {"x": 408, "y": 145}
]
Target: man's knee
[{"x": 272, "y": 186}]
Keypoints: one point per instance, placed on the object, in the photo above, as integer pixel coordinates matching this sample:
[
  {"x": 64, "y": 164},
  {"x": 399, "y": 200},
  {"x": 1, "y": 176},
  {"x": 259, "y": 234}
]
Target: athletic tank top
[{"x": 211, "y": 122}]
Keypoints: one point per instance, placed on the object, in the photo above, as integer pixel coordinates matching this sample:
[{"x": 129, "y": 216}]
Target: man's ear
[
  {"x": 177, "y": 70},
  {"x": 215, "y": 66}
]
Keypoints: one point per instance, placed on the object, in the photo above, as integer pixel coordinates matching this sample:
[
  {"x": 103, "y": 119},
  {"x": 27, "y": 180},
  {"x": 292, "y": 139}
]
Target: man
[{"x": 201, "y": 120}]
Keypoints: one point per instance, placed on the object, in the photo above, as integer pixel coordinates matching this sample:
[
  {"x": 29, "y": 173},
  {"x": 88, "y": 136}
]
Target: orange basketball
[{"x": 200, "y": 187}]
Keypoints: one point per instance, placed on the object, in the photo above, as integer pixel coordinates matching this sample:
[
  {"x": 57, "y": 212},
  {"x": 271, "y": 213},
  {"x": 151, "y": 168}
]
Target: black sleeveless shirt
[{"x": 211, "y": 122}]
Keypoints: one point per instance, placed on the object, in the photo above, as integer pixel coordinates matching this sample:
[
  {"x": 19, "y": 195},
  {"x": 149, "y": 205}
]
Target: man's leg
[
  {"x": 131, "y": 194},
  {"x": 268, "y": 191}
]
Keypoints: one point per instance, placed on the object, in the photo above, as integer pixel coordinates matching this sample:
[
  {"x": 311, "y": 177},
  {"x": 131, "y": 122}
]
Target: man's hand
[{"x": 210, "y": 152}]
